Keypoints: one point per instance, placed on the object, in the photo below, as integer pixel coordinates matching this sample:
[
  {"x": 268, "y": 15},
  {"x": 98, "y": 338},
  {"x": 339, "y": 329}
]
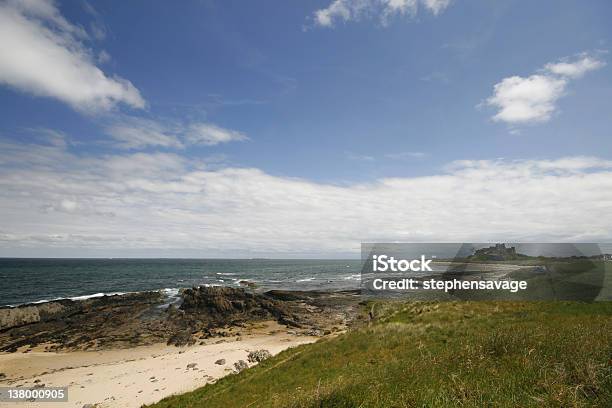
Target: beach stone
[
  {"x": 191, "y": 365},
  {"x": 240, "y": 365},
  {"x": 258, "y": 356},
  {"x": 314, "y": 332},
  {"x": 220, "y": 361}
]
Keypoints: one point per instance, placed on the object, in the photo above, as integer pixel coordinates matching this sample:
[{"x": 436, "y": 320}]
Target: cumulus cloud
[
  {"x": 354, "y": 10},
  {"x": 138, "y": 133},
  {"x": 51, "y": 198},
  {"x": 533, "y": 99},
  {"x": 43, "y": 54},
  {"x": 524, "y": 100}
]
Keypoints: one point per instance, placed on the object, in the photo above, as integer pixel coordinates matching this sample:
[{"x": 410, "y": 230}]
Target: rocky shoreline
[{"x": 135, "y": 319}]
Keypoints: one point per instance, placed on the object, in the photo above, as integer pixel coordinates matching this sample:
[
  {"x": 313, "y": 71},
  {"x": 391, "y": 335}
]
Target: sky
[{"x": 301, "y": 129}]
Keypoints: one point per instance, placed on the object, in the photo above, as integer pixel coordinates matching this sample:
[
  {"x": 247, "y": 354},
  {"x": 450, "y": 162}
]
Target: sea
[{"x": 40, "y": 280}]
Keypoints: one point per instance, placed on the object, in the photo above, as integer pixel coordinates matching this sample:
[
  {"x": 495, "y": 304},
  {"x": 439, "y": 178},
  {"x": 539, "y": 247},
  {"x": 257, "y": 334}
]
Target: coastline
[
  {"x": 133, "y": 349},
  {"x": 126, "y": 350}
]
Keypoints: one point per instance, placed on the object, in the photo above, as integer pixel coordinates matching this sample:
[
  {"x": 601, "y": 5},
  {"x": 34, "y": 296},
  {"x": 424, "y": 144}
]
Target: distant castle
[{"x": 498, "y": 252}]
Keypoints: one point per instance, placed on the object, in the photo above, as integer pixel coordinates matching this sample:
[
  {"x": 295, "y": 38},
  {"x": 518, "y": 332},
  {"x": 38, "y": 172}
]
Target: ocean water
[{"x": 35, "y": 280}]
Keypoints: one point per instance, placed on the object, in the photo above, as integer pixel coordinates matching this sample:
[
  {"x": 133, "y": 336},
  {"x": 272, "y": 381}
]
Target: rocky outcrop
[
  {"x": 226, "y": 305},
  {"x": 128, "y": 320},
  {"x": 19, "y": 316},
  {"x": 119, "y": 320}
]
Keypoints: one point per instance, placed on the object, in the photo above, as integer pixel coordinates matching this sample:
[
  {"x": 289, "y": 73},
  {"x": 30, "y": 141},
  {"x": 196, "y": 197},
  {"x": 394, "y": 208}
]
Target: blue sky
[{"x": 340, "y": 97}]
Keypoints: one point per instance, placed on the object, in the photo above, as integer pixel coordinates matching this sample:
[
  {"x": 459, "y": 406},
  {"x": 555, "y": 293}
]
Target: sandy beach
[{"x": 128, "y": 378}]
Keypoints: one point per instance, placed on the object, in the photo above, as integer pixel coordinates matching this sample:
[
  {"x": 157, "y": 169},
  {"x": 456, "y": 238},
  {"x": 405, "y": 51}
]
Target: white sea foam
[
  {"x": 97, "y": 295},
  {"x": 170, "y": 292},
  {"x": 82, "y": 297}
]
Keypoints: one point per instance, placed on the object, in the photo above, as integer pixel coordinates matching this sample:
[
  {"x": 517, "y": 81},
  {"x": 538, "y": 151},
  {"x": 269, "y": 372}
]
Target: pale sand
[{"x": 141, "y": 375}]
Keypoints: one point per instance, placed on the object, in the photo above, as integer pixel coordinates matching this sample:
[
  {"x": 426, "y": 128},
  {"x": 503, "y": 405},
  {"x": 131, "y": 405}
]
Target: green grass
[{"x": 472, "y": 354}]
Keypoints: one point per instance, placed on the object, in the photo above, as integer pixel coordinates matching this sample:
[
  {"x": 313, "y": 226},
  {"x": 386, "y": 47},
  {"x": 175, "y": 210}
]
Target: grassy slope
[{"x": 438, "y": 354}]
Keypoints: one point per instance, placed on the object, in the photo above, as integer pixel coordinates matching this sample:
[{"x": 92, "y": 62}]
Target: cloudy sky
[{"x": 275, "y": 128}]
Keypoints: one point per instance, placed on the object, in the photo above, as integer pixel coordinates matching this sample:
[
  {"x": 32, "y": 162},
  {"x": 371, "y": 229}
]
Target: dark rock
[
  {"x": 240, "y": 365},
  {"x": 247, "y": 283},
  {"x": 220, "y": 361},
  {"x": 289, "y": 322},
  {"x": 314, "y": 332},
  {"x": 220, "y": 306},
  {"x": 181, "y": 339},
  {"x": 136, "y": 319},
  {"x": 111, "y": 320}
]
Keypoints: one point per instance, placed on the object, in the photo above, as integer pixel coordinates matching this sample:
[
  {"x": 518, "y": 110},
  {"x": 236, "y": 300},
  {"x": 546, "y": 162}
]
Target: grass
[{"x": 426, "y": 354}]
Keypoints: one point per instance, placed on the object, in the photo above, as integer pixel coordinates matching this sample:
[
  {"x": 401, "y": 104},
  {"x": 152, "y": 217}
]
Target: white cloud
[
  {"x": 436, "y": 6},
  {"x": 209, "y": 134},
  {"x": 138, "y": 133},
  {"x": 522, "y": 100},
  {"x": 576, "y": 68},
  {"x": 43, "y": 54},
  {"x": 52, "y": 198},
  {"x": 354, "y": 10},
  {"x": 533, "y": 99}
]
